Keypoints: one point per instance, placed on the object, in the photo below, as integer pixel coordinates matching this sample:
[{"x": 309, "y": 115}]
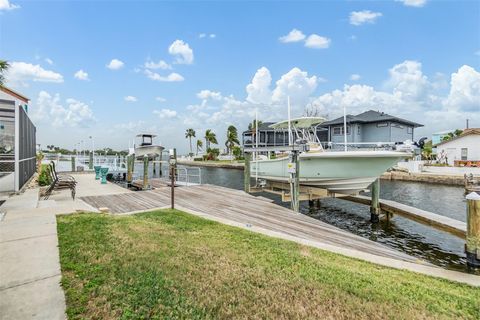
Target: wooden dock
[
  {"x": 455, "y": 227},
  {"x": 242, "y": 208}
]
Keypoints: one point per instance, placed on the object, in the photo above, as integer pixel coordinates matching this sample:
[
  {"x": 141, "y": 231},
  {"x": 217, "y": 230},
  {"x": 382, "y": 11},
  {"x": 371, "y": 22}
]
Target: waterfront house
[
  {"x": 17, "y": 141},
  {"x": 462, "y": 150},
  {"x": 437, "y": 137},
  {"x": 370, "y": 126}
]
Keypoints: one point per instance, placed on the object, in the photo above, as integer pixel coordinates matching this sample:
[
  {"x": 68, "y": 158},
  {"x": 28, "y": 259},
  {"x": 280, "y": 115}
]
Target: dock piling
[
  {"x": 246, "y": 172},
  {"x": 472, "y": 246},
  {"x": 145, "y": 172},
  {"x": 73, "y": 164},
  {"x": 294, "y": 169},
  {"x": 153, "y": 165},
  {"x": 90, "y": 161},
  {"x": 375, "y": 205},
  {"x": 130, "y": 162}
]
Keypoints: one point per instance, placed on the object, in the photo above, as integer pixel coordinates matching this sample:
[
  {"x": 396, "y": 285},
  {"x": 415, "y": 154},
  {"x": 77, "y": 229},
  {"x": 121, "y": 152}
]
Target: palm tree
[
  {"x": 189, "y": 134},
  {"x": 210, "y": 137},
  {"x": 199, "y": 145},
  {"x": 232, "y": 138},
  {"x": 4, "y": 65}
]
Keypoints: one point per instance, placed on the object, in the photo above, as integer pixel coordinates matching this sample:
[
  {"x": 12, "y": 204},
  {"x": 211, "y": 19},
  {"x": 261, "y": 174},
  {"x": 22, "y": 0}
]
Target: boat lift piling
[
  {"x": 246, "y": 172},
  {"x": 472, "y": 244},
  {"x": 130, "y": 167},
  {"x": 375, "y": 209},
  {"x": 145, "y": 172}
]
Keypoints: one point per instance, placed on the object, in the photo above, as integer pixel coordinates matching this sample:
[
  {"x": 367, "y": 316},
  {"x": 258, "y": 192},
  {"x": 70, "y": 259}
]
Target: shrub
[
  {"x": 44, "y": 178},
  {"x": 212, "y": 153}
]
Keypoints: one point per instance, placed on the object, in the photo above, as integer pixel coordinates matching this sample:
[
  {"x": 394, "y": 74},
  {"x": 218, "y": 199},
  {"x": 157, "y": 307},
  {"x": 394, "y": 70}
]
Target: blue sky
[{"x": 417, "y": 59}]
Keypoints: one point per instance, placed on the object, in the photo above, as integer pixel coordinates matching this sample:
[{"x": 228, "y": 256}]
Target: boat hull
[
  {"x": 150, "y": 151},
  {"x": 338, "y": 172}
]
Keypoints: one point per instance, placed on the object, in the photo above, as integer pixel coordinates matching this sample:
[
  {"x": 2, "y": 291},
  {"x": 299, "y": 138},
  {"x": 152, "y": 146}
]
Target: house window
[
  {"x": 382, "y": 124},
  {"x": 339, "y": 131},
  {"x": 409, "y": 130},
  {"x": 358, "y": 130},
  {"x": 464, "y": 154},
  {"x": 397, "y": 125}
]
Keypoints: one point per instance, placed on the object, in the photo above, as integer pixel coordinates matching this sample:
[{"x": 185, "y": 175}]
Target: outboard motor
[{"x": 421, "y": 143}]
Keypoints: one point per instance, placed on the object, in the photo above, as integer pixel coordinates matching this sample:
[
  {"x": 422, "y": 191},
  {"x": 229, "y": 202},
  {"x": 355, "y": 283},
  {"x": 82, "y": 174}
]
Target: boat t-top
[
  {"x": 344, "y": 172},
  {"x": 147, "y": 147}
]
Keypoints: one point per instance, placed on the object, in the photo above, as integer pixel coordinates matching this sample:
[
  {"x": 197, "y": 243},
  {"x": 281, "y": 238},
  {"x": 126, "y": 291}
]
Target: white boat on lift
[
  {"x": 345, "y": 172},
  {"x": 147, "y": 147}
]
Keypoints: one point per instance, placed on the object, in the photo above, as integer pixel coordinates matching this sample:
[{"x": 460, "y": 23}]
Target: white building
[{"x": 461, "y": 150}]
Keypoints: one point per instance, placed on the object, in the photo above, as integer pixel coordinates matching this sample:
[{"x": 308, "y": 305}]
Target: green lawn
[{"x": 168, "y": 264}]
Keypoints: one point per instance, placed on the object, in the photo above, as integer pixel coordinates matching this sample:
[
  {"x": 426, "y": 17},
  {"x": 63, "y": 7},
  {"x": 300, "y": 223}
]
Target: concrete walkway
[{"x": 30, "y": 271}]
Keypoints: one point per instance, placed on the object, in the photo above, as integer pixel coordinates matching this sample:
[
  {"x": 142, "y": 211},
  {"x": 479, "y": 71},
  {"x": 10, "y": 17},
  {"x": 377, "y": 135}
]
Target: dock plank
[{"x": 455, "y": 227}]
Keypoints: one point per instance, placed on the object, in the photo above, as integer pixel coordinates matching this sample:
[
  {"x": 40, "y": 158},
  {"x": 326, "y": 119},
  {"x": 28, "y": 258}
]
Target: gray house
[{"x": 369, "y": 126}]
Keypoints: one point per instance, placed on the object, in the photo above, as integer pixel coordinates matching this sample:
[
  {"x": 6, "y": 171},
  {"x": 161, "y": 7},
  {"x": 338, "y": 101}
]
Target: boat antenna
[
  {"x": 345, "y": 126},
  {"x": 290, "y": 143}
]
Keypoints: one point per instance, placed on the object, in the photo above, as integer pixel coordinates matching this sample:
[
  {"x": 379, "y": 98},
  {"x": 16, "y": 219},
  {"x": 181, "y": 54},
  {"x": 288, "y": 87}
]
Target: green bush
[{"x": 44, "y": 178}]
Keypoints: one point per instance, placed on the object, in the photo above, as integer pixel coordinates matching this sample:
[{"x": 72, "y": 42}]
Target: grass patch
[{"x": 169, "y": 264}]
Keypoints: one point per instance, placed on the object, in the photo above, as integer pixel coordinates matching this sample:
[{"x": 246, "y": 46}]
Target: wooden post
[
  {"x": 173, "y": 166},
  {"x": 296, "y": 184},
  {"x": 246, "y": 172},
  {"x": 73, "y": 164},
  {"x": 375, "y": 205},
  {"x": 145, "y": 172},
  {"x": 130, "y": 162},
  {"x": 90, "y": 161},
  {"x": 153, "y": 164},
  {"x": 160, "y": 165},
  {"x": 472, "y": 246}
]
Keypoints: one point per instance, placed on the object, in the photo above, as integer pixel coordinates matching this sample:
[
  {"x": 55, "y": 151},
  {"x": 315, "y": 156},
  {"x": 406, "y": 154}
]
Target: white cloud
[
  {"x": 182, "y": 52},
  {"x": 465, "y": 90},
  {"x": 165, "y": 113},
  {"x": 212, "y": 35},
  {"x": 115, "y": 64},
  {"x": 160, "y": 99},
  {"x": 259, "y": 89},
  {"x": 408, "y": 81},
  {"x": 207, "y": 94},
  {"x": 355, "y": 77},
  {"x": 6, "y": 5},
  {"x": 81, "y": 75},
  {"x": 202, "y": 35},
  {"x": 21, "y": 72},
  {"x": 49, "y": 61},
  {"x": 410, "y": 94},
  {"x": 296, "y": 84},
  {"x": 414, "y": 3},
  {"x": 358, "y": 18},
  {"x": 293, "y": 36},
  {"x": 317, "y": 42},
  {"x": 172, "y": 77},
  {"x": 50, "y": 109},
  {"x": 157, "y": 65},
  {"x": 130, "y": 99}
]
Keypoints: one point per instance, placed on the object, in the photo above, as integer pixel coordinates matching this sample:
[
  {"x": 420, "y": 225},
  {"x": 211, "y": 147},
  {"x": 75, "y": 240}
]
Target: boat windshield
[{"x": 299, "y": 123}]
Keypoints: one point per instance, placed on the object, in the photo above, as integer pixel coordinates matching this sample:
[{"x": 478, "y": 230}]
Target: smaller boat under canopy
[
  {"x": 345, "y": 172},
  {"x": 146, "y": 147}
]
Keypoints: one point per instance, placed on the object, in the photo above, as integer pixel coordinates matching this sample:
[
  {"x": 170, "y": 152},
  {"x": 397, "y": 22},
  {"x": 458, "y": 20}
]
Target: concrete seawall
[
  {"x": 226, "y": 165},
  {"x": 455, "y": 180}
]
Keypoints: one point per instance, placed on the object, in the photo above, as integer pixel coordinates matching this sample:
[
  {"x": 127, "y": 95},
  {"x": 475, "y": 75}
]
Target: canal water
[{"x": 404, "y": 235}]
